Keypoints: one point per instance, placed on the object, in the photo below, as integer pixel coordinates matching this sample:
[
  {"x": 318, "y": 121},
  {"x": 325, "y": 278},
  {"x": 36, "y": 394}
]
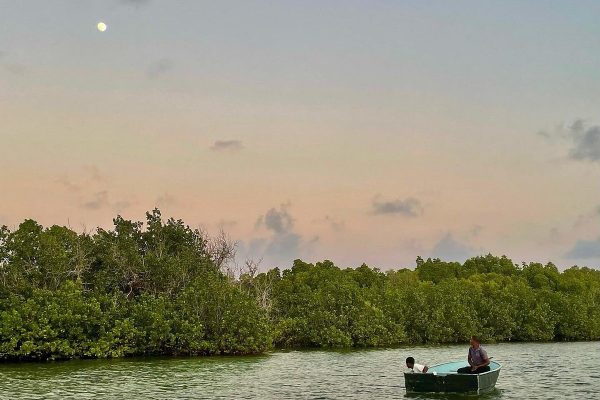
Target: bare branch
[{"x": 221, "y": 250}]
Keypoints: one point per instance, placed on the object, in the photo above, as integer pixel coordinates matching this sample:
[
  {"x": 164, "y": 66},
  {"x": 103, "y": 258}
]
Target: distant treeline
[{"x": 163, "y": 288}]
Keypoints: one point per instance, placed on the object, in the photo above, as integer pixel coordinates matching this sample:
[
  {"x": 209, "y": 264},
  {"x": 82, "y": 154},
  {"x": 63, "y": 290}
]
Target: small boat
[{"x": 444, "y": 378}]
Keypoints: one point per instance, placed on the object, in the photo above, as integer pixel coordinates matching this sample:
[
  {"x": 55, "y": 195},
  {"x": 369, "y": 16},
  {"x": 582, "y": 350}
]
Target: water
[{"x": 530, "y": 371}]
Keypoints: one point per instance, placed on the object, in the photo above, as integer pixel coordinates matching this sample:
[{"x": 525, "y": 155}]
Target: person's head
[
  {"x": 475, "y": 342},
  {"x": 410, "y": 362}
]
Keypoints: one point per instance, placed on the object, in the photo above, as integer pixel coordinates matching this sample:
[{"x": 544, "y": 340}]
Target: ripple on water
[{"x": 530, "y": 371}]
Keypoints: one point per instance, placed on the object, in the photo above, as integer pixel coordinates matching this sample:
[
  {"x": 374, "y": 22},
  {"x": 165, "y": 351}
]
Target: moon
[{"x": 101, "y": 26}]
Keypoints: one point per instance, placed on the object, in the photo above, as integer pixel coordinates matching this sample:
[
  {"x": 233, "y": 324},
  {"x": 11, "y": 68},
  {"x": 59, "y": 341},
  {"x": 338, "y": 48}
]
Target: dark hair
[
  {"x": 410, "y": 360},
  {"x": 475, "y": 339}
]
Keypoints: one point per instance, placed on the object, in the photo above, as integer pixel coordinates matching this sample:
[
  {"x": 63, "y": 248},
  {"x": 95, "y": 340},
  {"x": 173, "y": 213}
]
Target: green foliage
[
  {"x": 121, "y": 292},
  {"x": 157, "y": 288}
]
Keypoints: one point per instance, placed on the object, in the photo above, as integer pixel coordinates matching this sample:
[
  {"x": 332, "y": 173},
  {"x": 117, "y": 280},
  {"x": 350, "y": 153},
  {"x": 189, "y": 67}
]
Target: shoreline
[{"x": 162, "y": 357}]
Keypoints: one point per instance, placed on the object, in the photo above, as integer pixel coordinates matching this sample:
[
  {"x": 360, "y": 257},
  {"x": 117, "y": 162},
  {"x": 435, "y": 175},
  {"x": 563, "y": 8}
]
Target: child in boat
[{"x": 410, "y": 363}]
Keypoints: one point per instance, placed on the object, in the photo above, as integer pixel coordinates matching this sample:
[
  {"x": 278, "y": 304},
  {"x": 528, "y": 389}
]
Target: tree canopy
[{"x": 160, "y": 287}]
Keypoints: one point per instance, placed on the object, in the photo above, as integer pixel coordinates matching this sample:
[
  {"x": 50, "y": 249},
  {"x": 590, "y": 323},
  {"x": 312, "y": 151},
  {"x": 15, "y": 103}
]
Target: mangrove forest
[{"x": 160, "y": 287}]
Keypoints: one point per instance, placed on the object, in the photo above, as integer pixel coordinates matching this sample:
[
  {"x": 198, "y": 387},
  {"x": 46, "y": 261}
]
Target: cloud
[
  {"x": 89, "y": 175},
  {"x": 584, "y": 140},
  {"x": 279, "y": 221},
  {"x": 544, "y": 134},
  {"x": 90, "y": 189},
  {"x": 585, "y": 249},
  {"x": 587, "y": 218},
  {"x": 68, "y": 184},
  {"x": 284, "y": 247},
  {"x": 282, "y": 244},
  {"x": 410, "y": 207},
  {"x": 166, "y": 200},
  {"x": 448, "y": 249},
  {"x": 336, "y": 224},
  {"x": 159, "y": 68},
  {"x": 227, "y": 145},
  {"x": 476, "y": 230},
  {"x": 101, "y": 200}
]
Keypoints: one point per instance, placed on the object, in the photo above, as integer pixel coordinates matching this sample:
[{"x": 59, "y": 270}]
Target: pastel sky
[{"x": 356, "y": 131}]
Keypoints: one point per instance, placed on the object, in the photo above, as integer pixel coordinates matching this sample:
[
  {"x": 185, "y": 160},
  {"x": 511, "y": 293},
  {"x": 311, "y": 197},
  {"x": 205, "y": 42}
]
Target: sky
[{"x": 355, "y": 131}]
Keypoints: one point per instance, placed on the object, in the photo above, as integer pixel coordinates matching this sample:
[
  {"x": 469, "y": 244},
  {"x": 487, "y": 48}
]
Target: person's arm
[
  {"x": 469, "y": 358},
  {"x": 425, "y": 369},
  {"x": 486, "y": 361}
]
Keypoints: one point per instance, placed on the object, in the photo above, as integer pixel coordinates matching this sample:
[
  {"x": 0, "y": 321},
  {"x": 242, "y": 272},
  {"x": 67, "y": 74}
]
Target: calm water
[{"x": 530, "y": 371}]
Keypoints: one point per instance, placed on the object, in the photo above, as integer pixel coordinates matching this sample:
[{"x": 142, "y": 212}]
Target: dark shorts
[{"x": 467, "y": 370}]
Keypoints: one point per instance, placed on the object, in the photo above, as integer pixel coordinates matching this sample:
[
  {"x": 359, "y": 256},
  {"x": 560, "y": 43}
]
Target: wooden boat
[{"x": 444, "y": 378}]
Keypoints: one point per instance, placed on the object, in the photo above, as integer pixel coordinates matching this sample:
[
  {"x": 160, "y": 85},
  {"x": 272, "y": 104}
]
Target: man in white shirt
[{"x": 410, "y": 363}]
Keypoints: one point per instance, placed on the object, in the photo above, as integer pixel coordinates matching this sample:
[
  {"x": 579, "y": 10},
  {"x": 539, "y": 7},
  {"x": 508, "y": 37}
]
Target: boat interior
[{"x": 451, "y": 367}]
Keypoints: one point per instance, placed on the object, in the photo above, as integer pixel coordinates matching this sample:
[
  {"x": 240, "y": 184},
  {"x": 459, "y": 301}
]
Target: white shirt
[{"x": 418, "y": 368}]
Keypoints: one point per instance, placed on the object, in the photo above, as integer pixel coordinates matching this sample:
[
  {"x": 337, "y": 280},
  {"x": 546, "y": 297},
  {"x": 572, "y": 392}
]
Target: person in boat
[
  {"x": 414, "y": 367},
  {"x": 478, "y": 359}
]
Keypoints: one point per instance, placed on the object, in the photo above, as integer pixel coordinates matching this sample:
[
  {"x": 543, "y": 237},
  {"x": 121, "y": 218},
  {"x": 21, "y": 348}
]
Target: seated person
[
  {"x": 478, "y": 359},
  {"x": 410, "y": 363}
]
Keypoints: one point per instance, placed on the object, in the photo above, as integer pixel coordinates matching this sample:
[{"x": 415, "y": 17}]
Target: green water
[{"x": 530, "y": 371}]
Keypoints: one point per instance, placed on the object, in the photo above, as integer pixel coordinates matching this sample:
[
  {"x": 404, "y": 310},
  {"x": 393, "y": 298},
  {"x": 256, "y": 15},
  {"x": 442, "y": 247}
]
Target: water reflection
[{"x": 530, "y": 371}]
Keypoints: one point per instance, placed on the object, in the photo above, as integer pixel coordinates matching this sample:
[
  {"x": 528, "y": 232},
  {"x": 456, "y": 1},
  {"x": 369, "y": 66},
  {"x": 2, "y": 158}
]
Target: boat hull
[{"x": 451, "y": 381}]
